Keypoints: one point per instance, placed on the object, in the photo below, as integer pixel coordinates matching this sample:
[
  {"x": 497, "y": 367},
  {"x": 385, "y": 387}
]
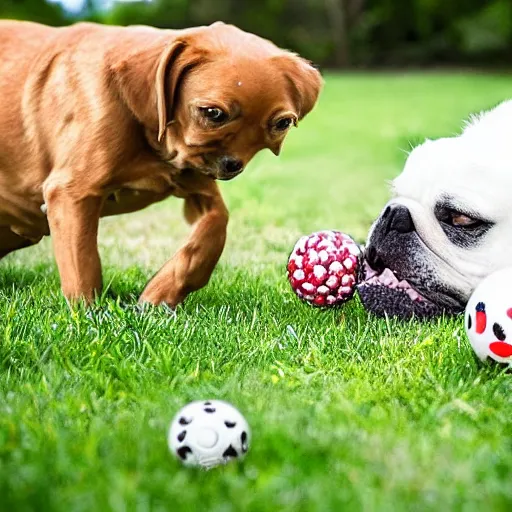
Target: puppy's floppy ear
[
  {"x": 149, "y": 80},
  {"x": 305, "y": 82}
]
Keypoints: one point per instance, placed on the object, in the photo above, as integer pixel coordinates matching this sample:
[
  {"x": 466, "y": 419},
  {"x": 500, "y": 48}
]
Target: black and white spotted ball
[{"x": 208, "y": 433}]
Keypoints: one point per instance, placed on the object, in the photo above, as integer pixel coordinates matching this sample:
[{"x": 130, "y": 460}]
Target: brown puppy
[{"x": 99, "y": 121}]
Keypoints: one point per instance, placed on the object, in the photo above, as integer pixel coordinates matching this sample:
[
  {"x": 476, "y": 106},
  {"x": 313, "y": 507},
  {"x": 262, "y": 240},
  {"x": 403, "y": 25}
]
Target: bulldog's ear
[
  {"x": 149, "y": 80},
  {"x": 305, "y": 82}
]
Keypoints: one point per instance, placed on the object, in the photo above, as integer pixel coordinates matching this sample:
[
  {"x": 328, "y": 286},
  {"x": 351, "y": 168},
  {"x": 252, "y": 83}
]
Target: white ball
[
  {"x": 488, "y": 317},
  {"x": 208, "y": 433}
]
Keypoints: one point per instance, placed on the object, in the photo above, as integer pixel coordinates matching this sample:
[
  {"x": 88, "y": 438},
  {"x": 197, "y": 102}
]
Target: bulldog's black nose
[
  {"x": 397, "y": 218},
  {"x": 374, "y": 260},
  {"x": 231, "y": 165}
]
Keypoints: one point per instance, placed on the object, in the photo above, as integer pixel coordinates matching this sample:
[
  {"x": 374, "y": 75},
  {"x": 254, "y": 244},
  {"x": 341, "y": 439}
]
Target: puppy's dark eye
[
  {"x": 283, "y": 124},
  {"x": 214, "y": 114}
]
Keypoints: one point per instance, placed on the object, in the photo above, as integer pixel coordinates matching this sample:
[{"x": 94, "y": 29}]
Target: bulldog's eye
[
  {"x": 214, "y": 114},
  {"x": 462, "y": 228},
  {"x": 460, "y": 220},
  {"x": 283, "y": 124}
]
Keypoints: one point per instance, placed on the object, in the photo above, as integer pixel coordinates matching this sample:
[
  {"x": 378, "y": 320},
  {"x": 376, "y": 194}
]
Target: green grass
[{"x": 348, "y": 412}]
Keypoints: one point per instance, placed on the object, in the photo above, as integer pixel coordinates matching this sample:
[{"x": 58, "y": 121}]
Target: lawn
[{"x": 348, "y": 412}]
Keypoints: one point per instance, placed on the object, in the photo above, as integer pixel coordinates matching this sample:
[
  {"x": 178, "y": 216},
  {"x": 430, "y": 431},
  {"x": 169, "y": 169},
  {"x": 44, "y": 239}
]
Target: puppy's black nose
[
  {"x": 231, "y": 165},
  {"x": 397, "y": 218}
]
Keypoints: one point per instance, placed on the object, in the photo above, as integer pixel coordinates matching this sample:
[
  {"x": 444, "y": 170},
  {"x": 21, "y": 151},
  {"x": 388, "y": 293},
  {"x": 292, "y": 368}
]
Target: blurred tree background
[{"x": 332, "y": 33}]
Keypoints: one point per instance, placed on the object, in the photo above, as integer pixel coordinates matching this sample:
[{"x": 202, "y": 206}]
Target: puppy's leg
[
  {"x": 74, "y": 218},
  {"x": 193, "y": 264}
]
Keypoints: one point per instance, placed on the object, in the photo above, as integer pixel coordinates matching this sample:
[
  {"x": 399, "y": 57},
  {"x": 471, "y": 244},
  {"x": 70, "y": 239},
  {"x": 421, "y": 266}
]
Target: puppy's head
[
  {"x": 449, "y": 224},
  {"x": 215, "y": 96}
]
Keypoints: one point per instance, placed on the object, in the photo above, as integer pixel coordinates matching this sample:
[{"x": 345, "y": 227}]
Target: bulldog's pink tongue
[{"x": 389, "y": 279}]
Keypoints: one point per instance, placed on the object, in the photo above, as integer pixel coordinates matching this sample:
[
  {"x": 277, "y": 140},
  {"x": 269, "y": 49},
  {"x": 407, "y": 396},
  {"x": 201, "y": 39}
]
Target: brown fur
[{"x": 99, "y": 121}]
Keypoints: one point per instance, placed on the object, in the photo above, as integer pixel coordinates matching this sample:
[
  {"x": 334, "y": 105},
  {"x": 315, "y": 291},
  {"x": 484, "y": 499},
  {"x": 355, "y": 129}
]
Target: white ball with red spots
[
  {"x": 488, "y": 317},
  {"x": 322, "y": 268}
]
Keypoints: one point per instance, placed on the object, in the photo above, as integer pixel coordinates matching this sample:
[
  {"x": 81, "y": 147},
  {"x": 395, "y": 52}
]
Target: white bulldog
[{"x": 448, "y": 225}]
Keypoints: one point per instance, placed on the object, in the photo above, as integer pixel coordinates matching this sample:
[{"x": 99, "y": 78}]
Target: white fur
[{"x": 475, "y": 168}]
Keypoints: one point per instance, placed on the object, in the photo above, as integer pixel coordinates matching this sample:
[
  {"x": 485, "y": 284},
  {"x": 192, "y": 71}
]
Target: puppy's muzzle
[{"x": 230, "y": 167}]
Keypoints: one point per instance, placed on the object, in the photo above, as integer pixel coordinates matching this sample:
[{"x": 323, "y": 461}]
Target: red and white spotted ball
[
  {"x": 322, "y": 268},
  {"x": 489, "y": 317}
]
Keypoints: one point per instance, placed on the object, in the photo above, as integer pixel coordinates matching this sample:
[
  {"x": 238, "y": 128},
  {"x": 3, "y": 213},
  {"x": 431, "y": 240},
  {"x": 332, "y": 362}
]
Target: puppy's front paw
[{"x": 157, "y": 297}]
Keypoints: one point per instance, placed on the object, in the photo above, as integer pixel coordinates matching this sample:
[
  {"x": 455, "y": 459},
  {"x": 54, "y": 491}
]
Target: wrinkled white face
[
  {"x": 458, "y": 194},
  {"x": 489, "y": 317}
]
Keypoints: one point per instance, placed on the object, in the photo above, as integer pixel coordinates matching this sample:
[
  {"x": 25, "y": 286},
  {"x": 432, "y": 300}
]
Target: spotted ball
[
  {"x": 323, "y": 268},
  {"x": 208, "y": 433},
  {"x": 488, "y": 318}
]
